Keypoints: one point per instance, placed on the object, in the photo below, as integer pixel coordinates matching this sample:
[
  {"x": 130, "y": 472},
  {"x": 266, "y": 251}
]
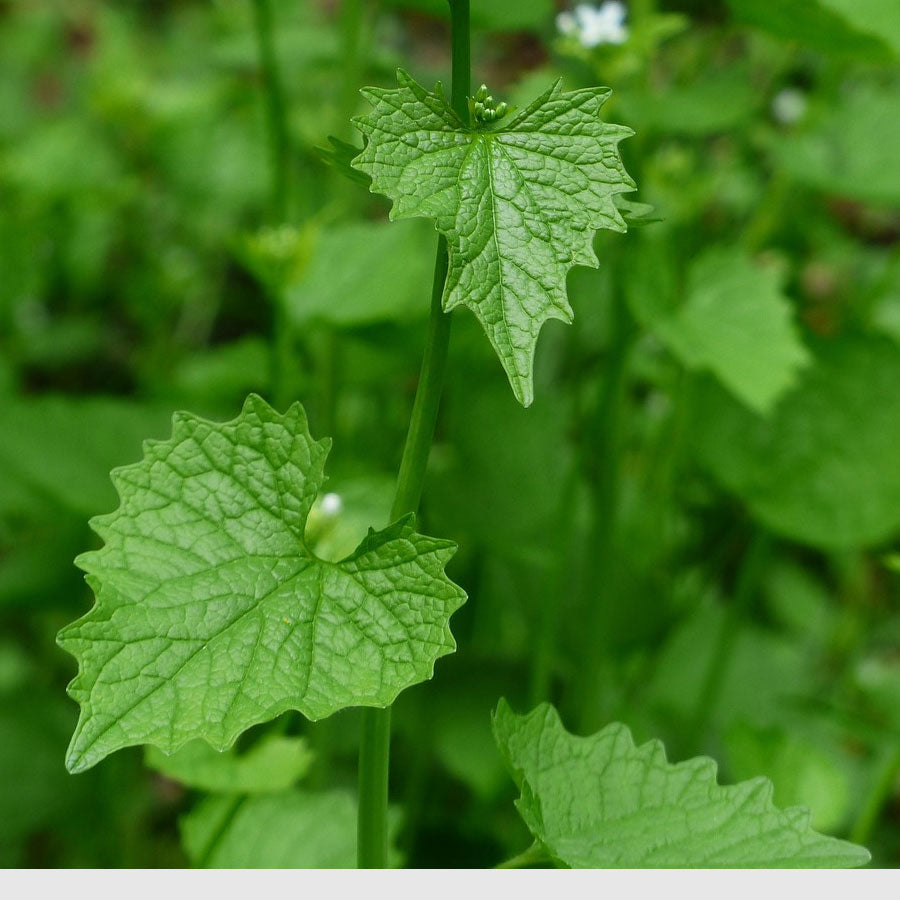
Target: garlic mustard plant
[{"x": 214, "y": 613}]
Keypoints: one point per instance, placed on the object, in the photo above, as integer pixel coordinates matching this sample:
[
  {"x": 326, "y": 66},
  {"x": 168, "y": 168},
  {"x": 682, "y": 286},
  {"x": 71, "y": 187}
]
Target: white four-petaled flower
[{"x": 595, "y": 25}]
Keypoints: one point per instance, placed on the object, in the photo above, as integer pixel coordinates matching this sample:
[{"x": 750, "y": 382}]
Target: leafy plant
[{"x": 217, "y": 610}]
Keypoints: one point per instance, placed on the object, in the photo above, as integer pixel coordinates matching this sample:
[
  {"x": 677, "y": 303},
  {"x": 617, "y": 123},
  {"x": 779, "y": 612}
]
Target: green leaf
[
  {"x": 765, "y": 671},
  {"x": 287, "y": 830},
  {"x": 518, "y": 201},
  {"x": 37, "y": 794},
  {"x": 877, "y": 678},
  {"x": 801, "y": 771},
  {"x": 601, "y": 801},
  {"x": 637, "y": 214},
  {"x": 97, "y": 434},
  {"x": 735, "y": 321},
  {"x": 339, "y": 156},
  {"x": 813, "y": 24},
  {"x": 223, "y": 372},
  {"x": 823, "y": 468},
  {"x": 878, "y": 17},
  {"x": 276, "y": 762},
  {"x": 851, "y": 151},
  {"x": 390, "y": 279},
  {"x": 212, "y": 615},
  {"x": 720, "y": 101}
]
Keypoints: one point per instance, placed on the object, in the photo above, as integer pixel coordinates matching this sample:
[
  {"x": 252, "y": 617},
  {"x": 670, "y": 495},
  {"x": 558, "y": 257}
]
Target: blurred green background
[{"x": 690, "y": 531}]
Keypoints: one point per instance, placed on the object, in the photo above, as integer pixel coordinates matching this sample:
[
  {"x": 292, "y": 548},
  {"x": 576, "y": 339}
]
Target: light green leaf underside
[
  {"x": 735, "y": 322},
  {"x": 287, "y": 830},
  {"x": 275, "y": 763},
  {"x": 519, "y": 201},
  {"x": 211, "y": 613},
  {"x": 600, "y": 801}
]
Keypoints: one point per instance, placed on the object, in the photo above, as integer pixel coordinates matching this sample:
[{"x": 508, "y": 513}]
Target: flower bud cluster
[{"x": 486, "y": 109}]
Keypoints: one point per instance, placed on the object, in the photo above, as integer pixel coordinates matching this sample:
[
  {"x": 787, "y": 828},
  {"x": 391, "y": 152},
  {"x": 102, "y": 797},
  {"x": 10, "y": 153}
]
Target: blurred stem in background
[
  {"x": 374, "y": 750},
  {"x": 881, "y": 789},
  {"x": 355, "y": 29},
  {"x": 556, "y": 579},
  {"x": 753, "y": 565},
  {"x": 601, "y": 458},
  {"x": 276, "y": 111},
  {"x": 280, "y": 189},
  {"x": 355, "y": 24}
]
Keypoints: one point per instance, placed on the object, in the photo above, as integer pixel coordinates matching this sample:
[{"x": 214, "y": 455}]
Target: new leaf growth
[{"x": 518, "y": 201}]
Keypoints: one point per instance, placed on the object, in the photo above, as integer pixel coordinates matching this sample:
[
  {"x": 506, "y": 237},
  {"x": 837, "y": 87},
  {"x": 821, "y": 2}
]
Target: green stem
[
  {"x": 534, "y": 855},
  {"x": 555, "y": 585},
  {"x": 276, "y": 122},
  {"x": 374, "y": 767},
  {"x": 602, "y": 458},
  {"x": 411, "y": 477},
  {"x": 749, "y": 576},
  {"x": 460, "y": 58},
  {"x": 374, "y": 750},
  {"x": 282, "y": 351},
  {"x": 276, "y": 110},
  {"x": 354, "y": 15}
]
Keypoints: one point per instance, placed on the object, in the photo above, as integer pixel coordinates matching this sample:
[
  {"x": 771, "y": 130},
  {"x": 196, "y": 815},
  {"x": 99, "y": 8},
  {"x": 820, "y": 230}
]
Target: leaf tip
[
  {"x": 502, "y": 711},
  {"x": 523, "y": 390},
  {"x": 77, "y": 759}
]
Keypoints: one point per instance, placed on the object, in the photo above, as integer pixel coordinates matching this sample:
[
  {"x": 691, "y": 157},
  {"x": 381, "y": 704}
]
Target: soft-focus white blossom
[
  {"x": 595, "y": 25},
  {"x": 789, "y": 106},
  {"x": 332, "y": 504}
]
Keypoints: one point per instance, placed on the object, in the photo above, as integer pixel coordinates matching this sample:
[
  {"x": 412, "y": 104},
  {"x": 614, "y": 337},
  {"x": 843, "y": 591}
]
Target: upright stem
[
  {"x": 354, "y": 15},
  {"x": 374, "y": 749},
  {"x": 411, "y": 477},
  {"x": 460, "y": 58},
  {"x": 747, "y": 585},
  {"x": 603, "y": 439},
  {"x": 555, "y": 584},
  {"x": 276, "y": 123},
  {"x": 375, "y": 746},
  {"x": 276, "y": 111}
]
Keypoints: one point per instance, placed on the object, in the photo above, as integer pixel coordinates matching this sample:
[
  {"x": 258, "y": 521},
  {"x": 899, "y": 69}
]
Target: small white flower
[
  {"x": 593, "y": 26},
  {"x": 567, "y": 24},
  {"x": 789, "y": 106},
  {"x": 331, "y": 504}
]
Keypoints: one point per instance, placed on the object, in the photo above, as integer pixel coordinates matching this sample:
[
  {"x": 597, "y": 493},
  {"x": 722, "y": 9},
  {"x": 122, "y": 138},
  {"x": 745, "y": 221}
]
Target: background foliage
[{"x": 691, "y": 529}]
